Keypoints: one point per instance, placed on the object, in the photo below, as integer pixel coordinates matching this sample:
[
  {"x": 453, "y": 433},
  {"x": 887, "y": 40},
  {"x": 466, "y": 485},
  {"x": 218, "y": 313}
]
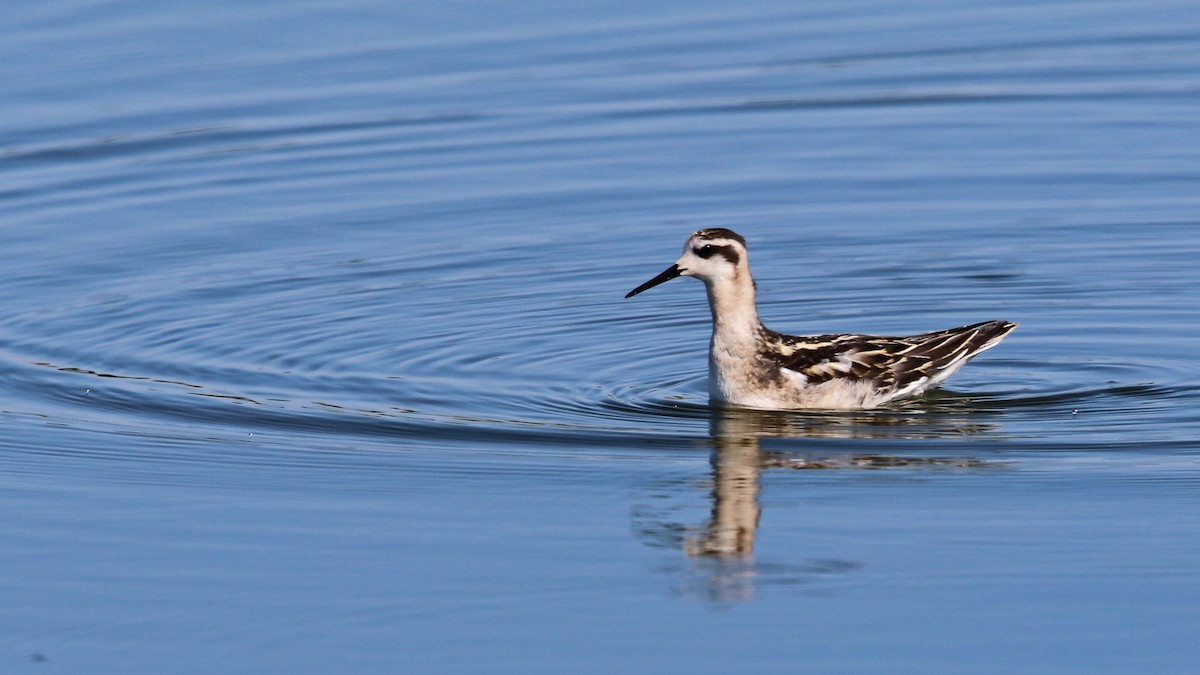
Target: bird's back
[{"x": 877, "y": 368}]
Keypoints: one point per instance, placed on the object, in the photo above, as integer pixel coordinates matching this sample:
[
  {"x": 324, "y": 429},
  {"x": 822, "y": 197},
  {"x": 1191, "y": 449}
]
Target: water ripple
[{"x": 447, "y": 265}]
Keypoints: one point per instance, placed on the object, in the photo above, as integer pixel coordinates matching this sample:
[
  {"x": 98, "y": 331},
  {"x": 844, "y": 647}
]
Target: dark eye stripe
[{"x": 729, "y": 253}]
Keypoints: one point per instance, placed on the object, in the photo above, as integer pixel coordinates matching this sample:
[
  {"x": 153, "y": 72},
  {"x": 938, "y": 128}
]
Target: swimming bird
[{"x": 752, "y": 366}]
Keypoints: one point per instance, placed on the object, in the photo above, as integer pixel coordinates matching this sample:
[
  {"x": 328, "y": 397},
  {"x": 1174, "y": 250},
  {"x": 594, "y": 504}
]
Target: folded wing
[{"x": 902, "y": 364}]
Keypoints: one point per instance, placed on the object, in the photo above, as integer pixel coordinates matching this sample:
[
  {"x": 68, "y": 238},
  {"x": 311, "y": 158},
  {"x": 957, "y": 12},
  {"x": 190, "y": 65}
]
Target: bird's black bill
[{"x": 667, "y": 275}]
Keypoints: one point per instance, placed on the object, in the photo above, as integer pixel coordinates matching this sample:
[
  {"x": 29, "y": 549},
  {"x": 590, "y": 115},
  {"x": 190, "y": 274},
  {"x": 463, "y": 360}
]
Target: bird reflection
[
  {"x": 722, "y": 550},
  {"x": 736, "y": 465}
]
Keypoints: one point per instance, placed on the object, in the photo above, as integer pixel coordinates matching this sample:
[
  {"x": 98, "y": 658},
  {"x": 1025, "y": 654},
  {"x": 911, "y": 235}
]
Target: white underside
[
  {"x": 732, "y": 380},
  {"x": 794, "y": 393}
]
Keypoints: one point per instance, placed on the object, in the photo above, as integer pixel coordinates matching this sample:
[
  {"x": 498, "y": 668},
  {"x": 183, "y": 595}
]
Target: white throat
[{"x": 734, "y": 311}]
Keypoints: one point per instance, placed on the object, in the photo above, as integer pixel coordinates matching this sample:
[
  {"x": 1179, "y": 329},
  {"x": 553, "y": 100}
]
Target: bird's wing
[{"x": 889, "y": 362}]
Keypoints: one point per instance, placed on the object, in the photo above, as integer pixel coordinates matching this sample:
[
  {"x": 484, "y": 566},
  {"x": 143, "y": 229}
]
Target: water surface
[{"x": 314, "y": 355}]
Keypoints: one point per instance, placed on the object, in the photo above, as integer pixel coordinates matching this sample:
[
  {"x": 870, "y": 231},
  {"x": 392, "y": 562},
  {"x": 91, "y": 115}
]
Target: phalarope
[{"x": 752, "y": 366}]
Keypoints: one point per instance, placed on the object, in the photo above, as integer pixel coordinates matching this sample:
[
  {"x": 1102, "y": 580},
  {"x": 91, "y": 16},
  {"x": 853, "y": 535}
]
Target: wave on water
[{"x": 673, "y": 415}]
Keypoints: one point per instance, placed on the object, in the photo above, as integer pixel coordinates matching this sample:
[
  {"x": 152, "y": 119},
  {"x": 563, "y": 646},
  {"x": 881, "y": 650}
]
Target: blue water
[{"x": 314, "y": 356}]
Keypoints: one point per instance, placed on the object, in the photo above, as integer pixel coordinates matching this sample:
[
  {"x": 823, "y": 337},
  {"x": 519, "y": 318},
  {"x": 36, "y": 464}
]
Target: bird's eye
[{"x": 705, "y": 251}]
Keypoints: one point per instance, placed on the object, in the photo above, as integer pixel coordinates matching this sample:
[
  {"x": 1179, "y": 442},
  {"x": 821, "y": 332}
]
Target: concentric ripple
[
  {"x": 409, "y": 253},
  {"x": 529, "y": 351}
]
